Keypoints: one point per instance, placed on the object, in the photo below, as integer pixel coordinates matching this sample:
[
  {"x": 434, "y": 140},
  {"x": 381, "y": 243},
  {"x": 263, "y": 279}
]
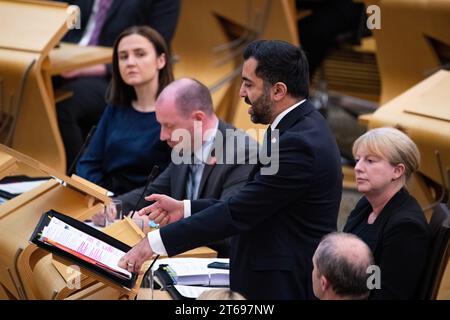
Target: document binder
[
  {"x": 167, "y": 283},
  {"x": 193, "y": 272},
  {"x": 91, "y": 264}
]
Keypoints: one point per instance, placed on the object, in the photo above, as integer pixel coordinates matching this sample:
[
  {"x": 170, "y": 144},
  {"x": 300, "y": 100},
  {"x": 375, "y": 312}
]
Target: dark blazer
[
  {"x": 399, "y": 238},
  {"x": 218, "y": 181},
  {"x": 277, "y": 220},
  {"x": 161, "y": 15}
]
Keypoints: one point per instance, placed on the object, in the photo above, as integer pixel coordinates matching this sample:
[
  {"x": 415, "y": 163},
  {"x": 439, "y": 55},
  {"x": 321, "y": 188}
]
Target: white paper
[
  {"x": 192, "y": 266},
  {"x": 195, "y": 271},
  {"x": 21, "y": 187},
  {"x": 191, "y": 291},
  {"x": 64, "y": 234}
]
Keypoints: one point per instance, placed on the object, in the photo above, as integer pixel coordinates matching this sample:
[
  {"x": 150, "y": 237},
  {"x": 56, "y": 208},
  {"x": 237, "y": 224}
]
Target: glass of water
[{"x": 113, "y": 212}]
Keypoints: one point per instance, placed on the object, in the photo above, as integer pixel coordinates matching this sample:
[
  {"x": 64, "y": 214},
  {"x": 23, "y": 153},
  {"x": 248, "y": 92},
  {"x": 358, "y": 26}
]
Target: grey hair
[{"x": 347, "y": 275}]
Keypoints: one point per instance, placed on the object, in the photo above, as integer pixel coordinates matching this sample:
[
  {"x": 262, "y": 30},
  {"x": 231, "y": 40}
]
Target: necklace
[{"x": 140, "y": 108}]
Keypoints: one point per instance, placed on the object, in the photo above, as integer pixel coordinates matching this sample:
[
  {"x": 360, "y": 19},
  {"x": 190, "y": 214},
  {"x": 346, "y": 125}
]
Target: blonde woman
[{"x": 388, "y": 218}]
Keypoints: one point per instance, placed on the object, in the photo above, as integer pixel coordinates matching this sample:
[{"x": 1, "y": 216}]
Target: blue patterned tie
[
  {"x": 100, "y": 20},
  {"x": 190, "y": 187}
]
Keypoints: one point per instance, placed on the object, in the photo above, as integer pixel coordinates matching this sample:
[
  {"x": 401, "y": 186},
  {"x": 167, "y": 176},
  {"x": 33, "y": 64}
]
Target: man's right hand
[{"x": 165, "y": 210}]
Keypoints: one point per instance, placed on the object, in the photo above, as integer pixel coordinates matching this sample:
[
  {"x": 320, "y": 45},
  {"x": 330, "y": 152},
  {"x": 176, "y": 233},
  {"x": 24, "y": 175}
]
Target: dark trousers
[{"x": 77, "y": 114}]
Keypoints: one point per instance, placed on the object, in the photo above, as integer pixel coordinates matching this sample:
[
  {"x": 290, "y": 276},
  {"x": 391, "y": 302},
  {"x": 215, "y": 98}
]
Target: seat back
[{"x": 439, "y": 252}]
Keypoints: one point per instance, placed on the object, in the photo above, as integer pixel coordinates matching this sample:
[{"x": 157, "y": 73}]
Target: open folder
[{"x": 84, "y": 245}]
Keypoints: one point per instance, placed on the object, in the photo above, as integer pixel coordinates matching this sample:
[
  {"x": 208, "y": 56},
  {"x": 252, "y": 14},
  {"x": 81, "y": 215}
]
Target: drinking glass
[{"x": 113, "y": 212}]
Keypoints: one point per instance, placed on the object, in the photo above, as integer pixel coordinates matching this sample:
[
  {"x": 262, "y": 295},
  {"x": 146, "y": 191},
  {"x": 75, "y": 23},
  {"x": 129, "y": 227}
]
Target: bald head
[
  {"x": 181, "y": 107},
  {"x": 349, "y": 247},
  {"x": 343, "y": 259},
  {"x": 187, "y": 95}
]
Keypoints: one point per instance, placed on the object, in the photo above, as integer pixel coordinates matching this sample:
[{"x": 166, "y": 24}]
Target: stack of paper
[
  {"x": 195, "y": 271},
  {"x": 16, "y": 188}
]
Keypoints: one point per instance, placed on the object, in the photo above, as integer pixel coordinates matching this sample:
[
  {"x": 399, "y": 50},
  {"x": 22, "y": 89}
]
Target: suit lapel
[
  {"x": 206, "y": 172},
  {"x": 285, "y": 124},
  {"x": 363, "y": 208},
  {"x": 389, "y": 210},
  {"x": 86, "y": 10},
  {"x": 209, "y": 167},
  {"x": 113, "y": 9},
  {"x": 292, "y": 117}
]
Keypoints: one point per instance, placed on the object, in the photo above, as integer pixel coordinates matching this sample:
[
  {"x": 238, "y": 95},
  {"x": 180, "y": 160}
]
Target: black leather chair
[{"x": 439, "y": 253}]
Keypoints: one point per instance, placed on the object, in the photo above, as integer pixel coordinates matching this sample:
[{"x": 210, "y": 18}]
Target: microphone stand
[
  {"x": 83, "y": 148},
  {"x": 153, "y": 174}
]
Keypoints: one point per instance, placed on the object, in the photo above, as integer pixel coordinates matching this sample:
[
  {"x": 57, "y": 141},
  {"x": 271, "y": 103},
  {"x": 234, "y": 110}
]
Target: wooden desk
[
  {"x": 146, "y": 294},
  {"x": 25, "y": 271},
  {"x": 98, "y": 288},
  {"x": 29, "y": 57}
]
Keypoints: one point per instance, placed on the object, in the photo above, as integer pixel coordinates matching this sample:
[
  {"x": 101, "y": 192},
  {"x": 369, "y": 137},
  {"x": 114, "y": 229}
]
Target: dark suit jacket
[
  {"x": 399, "y": 239},
  {"x": 218, "y": 181},
  {"x": 161, "y": 15},
  {"x": 278, "y": 219}
]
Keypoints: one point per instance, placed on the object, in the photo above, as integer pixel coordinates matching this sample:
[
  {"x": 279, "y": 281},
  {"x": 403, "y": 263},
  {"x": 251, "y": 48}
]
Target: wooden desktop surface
[{"x": 67, "y": 57}]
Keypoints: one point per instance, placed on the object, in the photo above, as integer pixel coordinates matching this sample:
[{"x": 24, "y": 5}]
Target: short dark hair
[
  {"x": 121, "y": 94},
  {"x": 193, "y": 96},
  {"x": 346, "y": 277},
  {"x": 280, "y": 61}
]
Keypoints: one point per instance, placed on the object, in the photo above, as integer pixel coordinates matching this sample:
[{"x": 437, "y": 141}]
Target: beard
[{"x": 261, "y": 108}]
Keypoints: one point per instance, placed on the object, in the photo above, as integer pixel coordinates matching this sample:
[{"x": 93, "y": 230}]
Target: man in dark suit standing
[
  {"x": 277, "y": 219},
  {"x": 101, "y": 22}
]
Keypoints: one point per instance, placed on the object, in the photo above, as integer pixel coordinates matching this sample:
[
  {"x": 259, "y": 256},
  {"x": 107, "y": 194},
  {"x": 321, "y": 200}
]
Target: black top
[
  {"x": 123, "y": 150},
  {"x": 399, "y": 239}
]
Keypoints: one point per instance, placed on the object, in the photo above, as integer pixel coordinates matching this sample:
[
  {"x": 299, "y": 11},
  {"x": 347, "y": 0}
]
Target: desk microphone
[
  {"x": 80, "y": 153},
  {"x": 153, "y": 174},
  {"x": 145, "y": 281}
]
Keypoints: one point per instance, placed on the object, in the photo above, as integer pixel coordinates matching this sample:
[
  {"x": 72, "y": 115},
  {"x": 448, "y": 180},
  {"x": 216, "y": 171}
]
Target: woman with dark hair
[{"x": 126, "y": 144}]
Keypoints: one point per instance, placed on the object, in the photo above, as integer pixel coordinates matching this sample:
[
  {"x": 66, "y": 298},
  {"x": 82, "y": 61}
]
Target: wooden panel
[
  {"x": 405, "y": 54},
  {"x": 429, "y": 133},
  {"x": 36, "y": 131},
  {"x": 444, "y": 288},
  {"x": 436, "y": 95},
  {"x": 67, "y": 57},
  {"x": 77, "y": 182},
  {"x": 23, "y": 271},
  {"x": 28, "y": 107},
  {"x": 210, "y": 40},
  {"x": 26, "y": 18}
]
